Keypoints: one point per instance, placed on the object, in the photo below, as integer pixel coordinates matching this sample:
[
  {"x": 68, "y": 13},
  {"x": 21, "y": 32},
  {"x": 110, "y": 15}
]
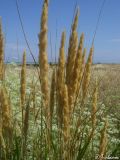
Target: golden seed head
[
  {"x": 72, "y": 52},
  {"x": 70, "y": 68},
  {"x": 81, "y": 42},
  {"x": 23, "y": 80},
  {"x": 72, "y": 49},
  {"x": 47, "y": 1},
  {"x": 78, "y": 61},
  {"x": 87, "y": 74},
  {"x": 43, "y": 60},
  {"x": 63, "y": 40},
  {"x": 61, "y": 64},
  {"x": 75, "y": 23},
  {"x": 6, "y": 113},
  {"x": 43, "y": 63},
  {"x": 60, "y": 78},
  {"x": 83, "y": 57},
  {"x": 103, "y": 141}
]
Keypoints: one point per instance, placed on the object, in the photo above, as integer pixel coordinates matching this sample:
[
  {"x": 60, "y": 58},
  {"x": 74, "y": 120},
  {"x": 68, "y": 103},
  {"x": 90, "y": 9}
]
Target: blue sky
[{"x": 107, "y": 42}]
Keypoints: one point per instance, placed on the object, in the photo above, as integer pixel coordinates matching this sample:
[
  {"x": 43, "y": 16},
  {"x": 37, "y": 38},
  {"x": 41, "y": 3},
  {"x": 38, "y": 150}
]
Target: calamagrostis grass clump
[
  {"x": 65, "y": 124},
  {"x": 1, "y": 53}
]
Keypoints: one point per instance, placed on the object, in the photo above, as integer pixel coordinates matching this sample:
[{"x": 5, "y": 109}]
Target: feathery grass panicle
[
  {"x": 6, "y": 115},
  {"x": 78, "y": 64},
  {"x": 61, "y": 63},
  {"x": 75, "y": 23},
  {"x": 23, "y": 95},
  {"x": 1, "y": 53},
  {"x": 78, "y": 61},
  {"x": 47, "y": 2},
  {"x": 77, "y": 72},
  {"x": 72, "y": 50},
  {"x": 61, "y": 77},
  {"x": 103, "y": 140},
  {"x": 80, "y": 58},
  {"x": 83, "y": 57},
  {"x": 59, "y": 87},
  {"x": 87, "y": 74},
  {"x": 43, "y": 61},
  {"x": 44, "y": 67},
  {"x": 5, "y": 108},
  {"x": 23, "y": 81},
  {"x": 80, "y": 78},
  {"x": 71, "y": 62},
  {"x": 74, "y": 82},
  {"x": 70, "y": 71}
]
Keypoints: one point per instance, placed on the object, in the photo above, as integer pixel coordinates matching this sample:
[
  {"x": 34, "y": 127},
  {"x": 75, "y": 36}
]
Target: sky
[{"x": 107, "y": 41}]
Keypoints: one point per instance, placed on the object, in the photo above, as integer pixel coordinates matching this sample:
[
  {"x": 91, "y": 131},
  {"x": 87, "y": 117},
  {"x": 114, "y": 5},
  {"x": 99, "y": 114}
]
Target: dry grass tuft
[{"x": 59, "y": 121}]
